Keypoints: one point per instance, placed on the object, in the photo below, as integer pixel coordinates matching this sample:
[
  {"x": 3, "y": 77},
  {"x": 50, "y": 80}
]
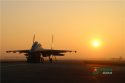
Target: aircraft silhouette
[{"x": 37, "y": 53}]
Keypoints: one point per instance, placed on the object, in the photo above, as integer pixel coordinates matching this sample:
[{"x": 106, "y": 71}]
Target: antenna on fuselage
[{"x": 33, "y": 38}]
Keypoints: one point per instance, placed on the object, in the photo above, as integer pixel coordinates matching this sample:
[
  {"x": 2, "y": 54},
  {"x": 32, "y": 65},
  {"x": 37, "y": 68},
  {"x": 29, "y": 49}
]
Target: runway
[{"x": 59, "y": 72}]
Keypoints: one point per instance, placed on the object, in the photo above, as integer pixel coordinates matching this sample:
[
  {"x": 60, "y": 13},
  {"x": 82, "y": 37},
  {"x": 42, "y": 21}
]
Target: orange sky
[{"x": 74, "y": 23}]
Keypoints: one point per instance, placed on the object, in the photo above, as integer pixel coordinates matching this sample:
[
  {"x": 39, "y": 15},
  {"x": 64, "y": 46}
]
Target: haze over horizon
[{"x": 94, "y": 28}]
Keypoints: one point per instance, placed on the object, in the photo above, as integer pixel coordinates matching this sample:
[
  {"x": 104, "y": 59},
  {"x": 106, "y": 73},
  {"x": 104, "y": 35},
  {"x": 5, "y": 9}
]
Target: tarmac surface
[{"x": 60, "y": 72}]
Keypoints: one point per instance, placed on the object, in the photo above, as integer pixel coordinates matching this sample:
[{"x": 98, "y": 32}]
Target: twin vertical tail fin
[
  {"x": 52, "y": 47},
  {"x": 52, "y": 43},
  {"x": 33, "y": 38}
]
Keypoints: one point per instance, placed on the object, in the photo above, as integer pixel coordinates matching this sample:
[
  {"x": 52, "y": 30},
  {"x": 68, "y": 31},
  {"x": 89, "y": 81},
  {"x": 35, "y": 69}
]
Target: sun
[{"x": 96, "y": 43}]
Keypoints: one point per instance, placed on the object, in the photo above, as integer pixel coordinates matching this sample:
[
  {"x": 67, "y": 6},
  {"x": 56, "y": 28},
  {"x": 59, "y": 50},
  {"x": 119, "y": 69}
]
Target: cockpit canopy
[{"x": 36, "y": 44}]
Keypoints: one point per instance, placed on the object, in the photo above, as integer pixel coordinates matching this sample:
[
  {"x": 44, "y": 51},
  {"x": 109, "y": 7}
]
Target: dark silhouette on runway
[{"x": 37, "y": 52}]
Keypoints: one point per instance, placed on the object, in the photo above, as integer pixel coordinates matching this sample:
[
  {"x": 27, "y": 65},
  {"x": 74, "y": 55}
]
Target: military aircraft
[{"x": 37, "y": 53}]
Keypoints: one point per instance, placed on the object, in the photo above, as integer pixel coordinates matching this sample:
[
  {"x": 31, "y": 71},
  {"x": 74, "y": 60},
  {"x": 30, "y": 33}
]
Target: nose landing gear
[{"x": 50, "y": 59}]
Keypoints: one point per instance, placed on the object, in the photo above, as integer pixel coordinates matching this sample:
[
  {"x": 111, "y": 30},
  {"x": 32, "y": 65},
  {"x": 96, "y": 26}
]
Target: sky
[{"x": 75, "y": 24}]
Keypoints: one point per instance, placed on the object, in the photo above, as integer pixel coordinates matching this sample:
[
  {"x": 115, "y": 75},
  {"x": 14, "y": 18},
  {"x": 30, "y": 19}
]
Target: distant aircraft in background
[
  {"x": 37, "y": 53},
  {"x": 119, "y": 59}
]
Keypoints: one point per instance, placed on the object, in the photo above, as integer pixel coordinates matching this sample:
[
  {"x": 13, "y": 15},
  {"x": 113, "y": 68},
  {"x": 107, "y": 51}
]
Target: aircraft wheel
[
  {"x": 42, "y": 60},
  {"x": 50, "y": 60}
]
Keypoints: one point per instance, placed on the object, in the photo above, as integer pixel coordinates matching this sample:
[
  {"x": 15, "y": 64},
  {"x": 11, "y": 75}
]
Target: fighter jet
[{"x": 37, "y": 53}]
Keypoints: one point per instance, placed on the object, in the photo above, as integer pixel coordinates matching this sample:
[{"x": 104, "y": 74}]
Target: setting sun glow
[{"x": 96, "y": 43}]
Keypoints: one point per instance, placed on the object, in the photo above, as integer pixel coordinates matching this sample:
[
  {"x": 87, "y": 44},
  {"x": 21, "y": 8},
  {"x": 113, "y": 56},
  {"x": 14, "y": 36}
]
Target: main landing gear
[
  {"x": 50, "y": 59},
  {"x": 42, "y": 60}
]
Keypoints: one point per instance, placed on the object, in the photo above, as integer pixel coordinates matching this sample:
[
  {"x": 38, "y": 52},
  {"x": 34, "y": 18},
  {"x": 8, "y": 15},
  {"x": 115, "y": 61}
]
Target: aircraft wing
[
  {"x": 45, "y": 52},
  {"x": 55, "y": 52},
  {"x": 19, "y": 51}
]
